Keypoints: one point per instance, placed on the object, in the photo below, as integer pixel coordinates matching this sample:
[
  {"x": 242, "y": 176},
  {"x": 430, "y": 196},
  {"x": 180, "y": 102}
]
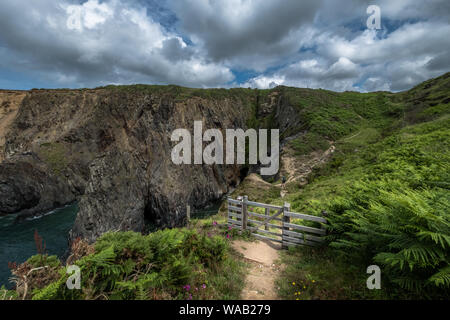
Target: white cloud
[
  {"x": 92, "y": 13},
  {"x": 376, "y": 84},
  {"x": 411, "y": 54},
  {"x": 312, "y": 43},
  {"x": 246, "y": 34},
  {"x": 263, "y": 82},
  {"x": 312, "y": 73},
  {"x": 113, "y": 42}
]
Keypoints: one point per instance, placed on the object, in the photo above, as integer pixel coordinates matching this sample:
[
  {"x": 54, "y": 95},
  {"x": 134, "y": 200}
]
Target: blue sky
[{"x": 222, "y": 43}]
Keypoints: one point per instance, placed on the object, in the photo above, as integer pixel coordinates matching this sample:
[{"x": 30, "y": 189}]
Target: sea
[{"x": 17, "y": 238}]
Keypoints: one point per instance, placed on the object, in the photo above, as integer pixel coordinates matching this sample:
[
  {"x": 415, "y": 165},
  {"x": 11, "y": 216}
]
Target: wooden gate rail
[{"x": 291, "y": 234}]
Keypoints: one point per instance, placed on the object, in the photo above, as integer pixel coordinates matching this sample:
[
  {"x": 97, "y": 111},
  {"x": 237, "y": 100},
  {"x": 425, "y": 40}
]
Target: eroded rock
[
  {"x": 111, "y": 149},
  {"x": 27, "y": 189}
]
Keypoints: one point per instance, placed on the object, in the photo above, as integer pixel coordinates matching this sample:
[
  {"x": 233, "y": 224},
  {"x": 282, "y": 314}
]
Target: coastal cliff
[{"x": 110, "y": 149}]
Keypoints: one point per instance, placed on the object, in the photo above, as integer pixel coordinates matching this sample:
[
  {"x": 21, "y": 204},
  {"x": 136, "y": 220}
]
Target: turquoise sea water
[{"x": 17, "y": 239}]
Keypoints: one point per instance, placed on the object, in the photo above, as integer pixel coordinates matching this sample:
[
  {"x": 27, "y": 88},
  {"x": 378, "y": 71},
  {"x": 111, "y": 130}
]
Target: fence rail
[{"x": 274, "y": 222}]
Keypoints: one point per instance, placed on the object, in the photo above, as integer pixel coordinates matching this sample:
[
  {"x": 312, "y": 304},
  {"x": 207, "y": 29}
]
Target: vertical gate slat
[
  {"x": 267, "y": 213},
  {"x": 244, "y": 213},
  {"x": 286, "y": 219},
  {"x": 286, "y": 235}
]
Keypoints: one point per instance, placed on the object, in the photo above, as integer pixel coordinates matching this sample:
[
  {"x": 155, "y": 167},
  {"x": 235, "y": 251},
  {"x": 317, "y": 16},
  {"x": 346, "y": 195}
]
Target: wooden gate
[{"x": 270, "y": 222}]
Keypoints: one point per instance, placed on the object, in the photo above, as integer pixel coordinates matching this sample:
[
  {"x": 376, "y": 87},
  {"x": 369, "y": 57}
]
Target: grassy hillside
[
  {"x": 385, "y": 190},
  {"x": 333, "y": 115},
  {"x": 388, "y": 204}
]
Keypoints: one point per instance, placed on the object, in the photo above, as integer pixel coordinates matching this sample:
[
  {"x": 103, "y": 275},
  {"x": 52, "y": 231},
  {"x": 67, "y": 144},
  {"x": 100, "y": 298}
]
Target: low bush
[{"x": 167, "y": 264}]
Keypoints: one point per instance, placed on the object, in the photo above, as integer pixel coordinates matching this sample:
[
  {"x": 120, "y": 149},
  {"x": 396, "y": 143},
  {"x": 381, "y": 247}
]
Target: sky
[{"x": 223, "y": 43}]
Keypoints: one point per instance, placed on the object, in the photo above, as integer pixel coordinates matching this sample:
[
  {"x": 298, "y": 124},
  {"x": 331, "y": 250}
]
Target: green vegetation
[
  {"x": 386, "y": 192},
  {"x": 397, "y": 213},
  {"x": 6, "y": 294},
  {"x": 167, "y": 264},
  {"x": 388, "y": 204},
  {"x": 312, "y": 273},
  {"x": 332, "y": 115},
  {"x": 54, "y": 154},
  {"x": 179, "y": 94},
  {"x": 308, "y": 143},
  {"x": 39, "y": 260}
]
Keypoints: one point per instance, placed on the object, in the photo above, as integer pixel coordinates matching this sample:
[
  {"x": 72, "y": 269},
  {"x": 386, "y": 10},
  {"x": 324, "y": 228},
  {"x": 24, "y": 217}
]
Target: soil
[
  {"x": 297, "y": 169},
  {"x": 263, "y": 257}
]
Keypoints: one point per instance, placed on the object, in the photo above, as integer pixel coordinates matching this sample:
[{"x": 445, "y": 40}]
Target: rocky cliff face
[
  {"x": 27, "y": 187},
  {"x": 10, "y": 101},
  {"x": 110, "y": 148},
  {"x": 26, "y": 183}
]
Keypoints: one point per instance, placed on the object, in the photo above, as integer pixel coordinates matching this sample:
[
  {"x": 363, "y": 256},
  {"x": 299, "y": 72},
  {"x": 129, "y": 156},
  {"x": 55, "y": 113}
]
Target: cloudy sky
[{"x": 223, "y": 43}]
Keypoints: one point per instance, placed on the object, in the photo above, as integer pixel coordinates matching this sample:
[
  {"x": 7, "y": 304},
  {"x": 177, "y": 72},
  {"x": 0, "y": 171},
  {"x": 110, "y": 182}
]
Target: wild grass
[
  {"x": 319, "y": 274},
  {"x": 388, "y": 204}
]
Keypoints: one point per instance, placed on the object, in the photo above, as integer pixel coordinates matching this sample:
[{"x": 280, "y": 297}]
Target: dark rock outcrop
[{"x": 28, "y": 189}]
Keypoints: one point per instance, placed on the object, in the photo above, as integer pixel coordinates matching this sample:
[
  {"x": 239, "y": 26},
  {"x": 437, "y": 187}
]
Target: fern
[
  {"x": 407, "y": 231},
  {"x": 441, "y": 278},
  {"x": 129, "y": 265},
  {"x": 49, "y": 292}
]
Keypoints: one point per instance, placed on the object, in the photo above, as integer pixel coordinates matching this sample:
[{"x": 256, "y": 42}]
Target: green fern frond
[{"x": 441, "y": 278}]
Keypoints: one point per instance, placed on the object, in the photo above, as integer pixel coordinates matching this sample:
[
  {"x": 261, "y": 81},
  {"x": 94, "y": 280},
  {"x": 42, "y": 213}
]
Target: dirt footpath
[{"x": 264, "y": 268}]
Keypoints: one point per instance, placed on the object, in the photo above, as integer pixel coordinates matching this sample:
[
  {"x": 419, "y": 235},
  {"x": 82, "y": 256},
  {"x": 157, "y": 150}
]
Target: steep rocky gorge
[{"x": 110, "y": 149}]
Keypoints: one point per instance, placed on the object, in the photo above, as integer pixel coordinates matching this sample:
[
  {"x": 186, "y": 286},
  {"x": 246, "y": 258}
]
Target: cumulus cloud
[
  {"x": 98, "y": 43},
  {"x": 204, "y": 43},
  {"x": 246, "y": 33},
  {"x": 400, "y": 59},
  {"x": 312, "y": 73}
]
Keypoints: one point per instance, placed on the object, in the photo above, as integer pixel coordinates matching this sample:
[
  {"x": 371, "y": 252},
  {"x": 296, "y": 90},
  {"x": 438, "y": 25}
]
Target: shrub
[
  {"x": 128, "y": 265},
  {"x": 397, "y": 214},
  {"x": 406, "y": 231}
]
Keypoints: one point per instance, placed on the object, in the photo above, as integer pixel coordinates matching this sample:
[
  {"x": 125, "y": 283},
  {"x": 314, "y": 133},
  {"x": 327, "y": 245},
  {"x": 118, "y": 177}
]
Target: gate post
[
  {"x": 244, "y": 213},
  {"x": 188, "y": 214},
  {"x": 286, "y": 219},
  {"x": 239, "y": 198},
  {"x": 323, "y": 226},
  {"x": 267, "y": 211}
]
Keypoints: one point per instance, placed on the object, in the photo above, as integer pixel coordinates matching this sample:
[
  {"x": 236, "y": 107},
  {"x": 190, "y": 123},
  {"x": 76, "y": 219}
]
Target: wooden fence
[{"x": 270, "y": 222}]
